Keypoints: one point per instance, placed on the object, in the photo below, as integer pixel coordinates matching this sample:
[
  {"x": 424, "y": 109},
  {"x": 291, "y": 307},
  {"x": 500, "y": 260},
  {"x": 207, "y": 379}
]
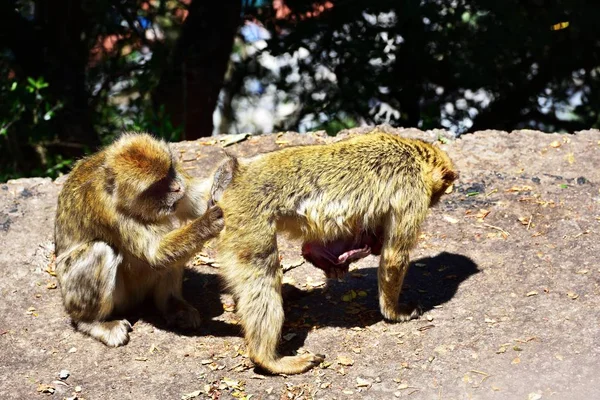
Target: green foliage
[
  {"x": 461, "y": 64},
  {"x": 25, "y": 126}
]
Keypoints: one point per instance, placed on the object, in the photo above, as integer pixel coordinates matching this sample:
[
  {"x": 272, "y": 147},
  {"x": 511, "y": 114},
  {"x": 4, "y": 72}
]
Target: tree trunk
[{"x": 190, "y": 84}]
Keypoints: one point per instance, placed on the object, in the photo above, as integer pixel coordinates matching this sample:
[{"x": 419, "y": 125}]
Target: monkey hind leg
[
  {"x": 88, "y": 277},
  {"x": 112, "y": 333},
  {"x": 256, "y": 283},
  {"x": 170, "y": 302}
]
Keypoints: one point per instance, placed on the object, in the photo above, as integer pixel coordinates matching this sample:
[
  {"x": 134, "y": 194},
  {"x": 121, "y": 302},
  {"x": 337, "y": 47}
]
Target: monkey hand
[{"x": 212, "y": 222}]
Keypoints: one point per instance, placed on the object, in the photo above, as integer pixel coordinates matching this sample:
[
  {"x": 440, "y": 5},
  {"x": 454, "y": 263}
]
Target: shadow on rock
[
  {"x": 353, "y": 302},
  {"x": 348, "y": 303},
  {"x": 203, "y": 292}
]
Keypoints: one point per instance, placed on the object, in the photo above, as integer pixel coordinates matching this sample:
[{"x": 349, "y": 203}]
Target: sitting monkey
[{"x": 117, "y": 235}]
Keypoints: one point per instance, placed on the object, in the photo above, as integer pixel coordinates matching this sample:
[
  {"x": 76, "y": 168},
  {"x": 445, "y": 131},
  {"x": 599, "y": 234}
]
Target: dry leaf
[
  {"x": 449, "y": 189},
  {"x": 231, "y": 139},
  {"x": 532, "y": 293},
  {"x": 524, "y": 188},
  {"x": 570, "y": 158},
  {"x": 51, "y": 285},
  {"x": 360, "y": 382},
  {"x": 482, "y": 214},
  {"x": 525, "y": 220},
  {"x": 516, "y": 361},
  {"x": 555, "y": 144},
  {"x": 450, "y": 219},
  {"x": 572, "y": 295},
  {"x": 191, "y": 395},
  {"x": 43, "y": 388},
  {"x": 345, "y": 360}
]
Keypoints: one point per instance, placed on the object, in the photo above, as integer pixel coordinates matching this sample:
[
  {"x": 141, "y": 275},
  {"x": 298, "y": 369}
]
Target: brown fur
[
  {"x": 373, "y": 184},
  {"x": 118, "y": 238}
]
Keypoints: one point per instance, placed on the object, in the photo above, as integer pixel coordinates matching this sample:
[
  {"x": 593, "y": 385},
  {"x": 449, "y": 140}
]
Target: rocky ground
[{"x": 506, "y": 270}]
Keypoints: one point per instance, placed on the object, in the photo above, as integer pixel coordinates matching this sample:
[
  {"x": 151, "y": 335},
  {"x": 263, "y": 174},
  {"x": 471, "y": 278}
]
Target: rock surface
[{"x": 506, "y": 269}]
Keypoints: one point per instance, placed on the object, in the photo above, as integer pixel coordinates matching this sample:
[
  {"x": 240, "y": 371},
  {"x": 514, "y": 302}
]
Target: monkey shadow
[
  {"x": 353, "y": 302},
  {"x": 203, "y": 292}
]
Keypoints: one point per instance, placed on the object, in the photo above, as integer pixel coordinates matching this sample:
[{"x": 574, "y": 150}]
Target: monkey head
[
  {"x": 441, "y": 176},
  {"x": 142, "y": 177}
]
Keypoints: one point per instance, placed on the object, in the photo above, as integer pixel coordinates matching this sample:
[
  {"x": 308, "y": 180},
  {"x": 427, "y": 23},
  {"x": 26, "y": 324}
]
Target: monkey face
[{"x": 162, "y": 197}]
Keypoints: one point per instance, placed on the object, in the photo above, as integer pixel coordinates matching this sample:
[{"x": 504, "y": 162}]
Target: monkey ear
[
  {"x": 449, "y": 175},
  {"x": 223, "y": 177},
  {"x": 445, "y": 175}
]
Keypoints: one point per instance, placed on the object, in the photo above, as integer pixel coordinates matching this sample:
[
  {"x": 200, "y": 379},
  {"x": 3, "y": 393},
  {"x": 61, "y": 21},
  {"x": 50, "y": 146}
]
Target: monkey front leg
[
  {"x": 179, "y": 245},
  {"x": 392, "y": 269}
]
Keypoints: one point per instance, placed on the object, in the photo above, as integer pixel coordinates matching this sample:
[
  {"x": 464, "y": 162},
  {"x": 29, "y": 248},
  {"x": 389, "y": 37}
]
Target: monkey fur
[
  {"x": 120, "y": 236},
  {"x": 364, "y": 195}
]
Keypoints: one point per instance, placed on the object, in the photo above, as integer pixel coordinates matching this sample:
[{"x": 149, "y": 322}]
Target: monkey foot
[
  {"x": 292, "y": 364},
  {"x": 184, "y": 316},
  {"x": 111, "y": 333},
  {"x": 402, "y": 312}
]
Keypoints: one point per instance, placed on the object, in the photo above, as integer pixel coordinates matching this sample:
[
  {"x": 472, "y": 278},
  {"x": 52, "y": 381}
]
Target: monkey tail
[{"x": 224, "y": 175}]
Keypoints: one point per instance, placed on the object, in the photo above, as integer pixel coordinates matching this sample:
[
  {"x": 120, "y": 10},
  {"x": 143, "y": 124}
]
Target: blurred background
[{"x": 76, "y": 73}]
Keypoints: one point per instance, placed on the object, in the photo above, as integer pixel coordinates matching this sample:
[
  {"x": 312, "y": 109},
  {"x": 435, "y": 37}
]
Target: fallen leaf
[
  {"x": 482, "y": 214},
  {"x": 43, "y": 388},
  {"x": 572, "y": 295},
  {"x": 449, "y": 189},
  {"x": 501, "y": 350},
  {"x": 360, "y": 382},
  {"x": 51, "y": 285},
  {"x": 289, "y": 336},
  {"x": 450, "y": 219},
  {"x": 555, "y": 144},
  {"x": 524, "y": 188},
  {"x": 516, "y": 361},
  {"x": 191, "y": 395},
  {"x": 570, "y": 158},
  {"x": 345, "y": 360},
  {"x": 204, "y": 260},
  {"x": 534, "y": 396},
  {"x": 525, "y": 220},
  {"x": 532, "y": 293},
  {"x": 232, "y": 139}
]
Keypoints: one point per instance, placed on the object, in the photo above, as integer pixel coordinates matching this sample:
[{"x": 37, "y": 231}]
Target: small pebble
[{"x": 64, "y": 374}]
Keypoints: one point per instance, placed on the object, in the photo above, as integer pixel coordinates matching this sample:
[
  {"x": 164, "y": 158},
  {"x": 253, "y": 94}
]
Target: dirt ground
[{"x": 506, "y": 270}]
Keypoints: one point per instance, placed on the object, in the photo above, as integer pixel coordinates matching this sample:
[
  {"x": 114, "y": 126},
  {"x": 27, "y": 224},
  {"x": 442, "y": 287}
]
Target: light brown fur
[
  {"x": 119, "y": 240},
  {"x": 374, "y": 183}
]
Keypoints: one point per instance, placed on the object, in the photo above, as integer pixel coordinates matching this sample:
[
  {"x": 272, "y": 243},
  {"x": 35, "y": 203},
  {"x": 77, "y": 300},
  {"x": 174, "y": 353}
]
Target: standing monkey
[
  {"x": 117, "y": 235},
  {"x": 365, "y": 195}
]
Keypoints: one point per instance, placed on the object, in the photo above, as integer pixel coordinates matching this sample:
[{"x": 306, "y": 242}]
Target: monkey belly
[{"x": 334, "y": 257}]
